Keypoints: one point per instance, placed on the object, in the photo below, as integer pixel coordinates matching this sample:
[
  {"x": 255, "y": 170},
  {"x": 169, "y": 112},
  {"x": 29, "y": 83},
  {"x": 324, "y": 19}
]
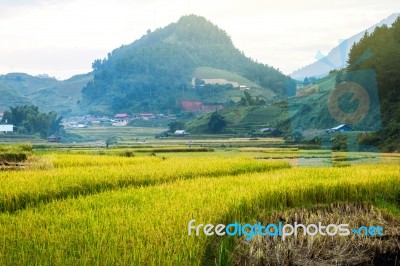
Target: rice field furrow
[
  {"x": 78, "y": 175},
  {"x": 148, "y": 225}
]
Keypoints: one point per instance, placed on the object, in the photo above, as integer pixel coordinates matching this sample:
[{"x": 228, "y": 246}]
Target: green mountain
[
  {"x": 245, "y": 119},
  {"x": 157, "y": 71},
  {"x": 47, "y": 93},
  {"x": 384, "y": 61},
  {"x": 365, "y": 95},
  {"x": 10, "y": 97},
  {"x": 308, "y": 110}
]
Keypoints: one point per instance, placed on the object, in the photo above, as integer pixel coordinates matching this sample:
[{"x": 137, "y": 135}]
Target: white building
[
  {"x": 121, "y": 120},
  {"x": 6, "y": 128},
  {"x": 181, "y": 133}
]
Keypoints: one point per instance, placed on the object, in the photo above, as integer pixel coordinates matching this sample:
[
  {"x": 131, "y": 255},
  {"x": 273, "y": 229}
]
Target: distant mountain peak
[{"x": 337, "y": 57}]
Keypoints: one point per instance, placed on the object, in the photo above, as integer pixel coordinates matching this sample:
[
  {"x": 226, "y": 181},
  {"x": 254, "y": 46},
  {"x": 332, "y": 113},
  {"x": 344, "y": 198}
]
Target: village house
[
  {"x": 121, "y": 117},
  {"x": 197, "y": 106},
  {"x": 172, "y": 117},
  {"x": 54, "y": 139},
  {"x": 6, "y": 128},
  {"x": 191, "y": 106},
  {"x": 120, "y": 120},
  {"x": 181, "y": 133},
  {"x": 340, "y": 128},
  {"x": 267, "y": 129},
  {"x": 147, "y": 116}
]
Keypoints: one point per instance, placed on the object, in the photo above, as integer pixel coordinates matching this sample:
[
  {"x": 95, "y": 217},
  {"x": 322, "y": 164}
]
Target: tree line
[
  {"x": 28, "y": 120},
  {"x": 380, "y": 52}
]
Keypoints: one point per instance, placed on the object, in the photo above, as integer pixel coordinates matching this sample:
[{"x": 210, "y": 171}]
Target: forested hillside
[
  {"x": 365, "y": 95},
  {"x": 155, "y": 72},
  {"x": 384, "y": 44},
  {"x": 49, "y": 94}
]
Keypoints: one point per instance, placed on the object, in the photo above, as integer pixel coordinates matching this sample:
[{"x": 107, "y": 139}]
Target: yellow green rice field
[{"x": 90, "y": 208}]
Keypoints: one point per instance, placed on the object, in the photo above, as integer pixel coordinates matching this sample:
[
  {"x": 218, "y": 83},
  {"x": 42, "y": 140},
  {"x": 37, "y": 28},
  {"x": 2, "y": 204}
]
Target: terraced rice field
[{"x": 85, "y": 209}]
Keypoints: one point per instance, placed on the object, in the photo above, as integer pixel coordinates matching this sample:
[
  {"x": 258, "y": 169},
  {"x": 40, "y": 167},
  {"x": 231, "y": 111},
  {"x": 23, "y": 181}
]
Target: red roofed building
[
  {"x": 197, "y": 106},
  {"x": 147, "y": 116},
  {"x": 122, "y": 116},
  {"x": 121, "y": 120},
  {"x": 192, "y": 106}
]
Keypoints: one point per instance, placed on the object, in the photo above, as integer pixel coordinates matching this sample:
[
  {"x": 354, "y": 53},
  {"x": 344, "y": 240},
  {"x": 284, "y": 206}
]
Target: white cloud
[{"x": 63, "y": 38}]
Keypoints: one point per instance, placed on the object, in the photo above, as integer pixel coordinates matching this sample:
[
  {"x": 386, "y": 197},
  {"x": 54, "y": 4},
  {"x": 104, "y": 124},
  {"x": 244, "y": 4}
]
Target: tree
[
  {"x": 28, "y": 120},
  {"x": 248, "y": 100},
  {"x": 216, "y": 123},
  {"x": 379, "y": 52},
  {"x": 111, "y": 141},
  {"x": 198, "y": 82},
  {"x": 340, "y": 76},
  {"x": 176, "y": 125},
  {"x": 96, "y": 65},
  {"x": 297, "y": 136}
]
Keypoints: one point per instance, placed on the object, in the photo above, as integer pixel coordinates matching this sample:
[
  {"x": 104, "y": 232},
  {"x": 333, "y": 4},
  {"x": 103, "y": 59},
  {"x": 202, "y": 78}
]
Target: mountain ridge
[
  {"x": 48, "y": 93},
  {"x": 338, "y": 56},
  {"x": 155, "y": 72}
]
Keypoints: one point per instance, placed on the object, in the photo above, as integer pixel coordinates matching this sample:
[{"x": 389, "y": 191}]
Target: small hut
[{"x": 54, "y": 139}]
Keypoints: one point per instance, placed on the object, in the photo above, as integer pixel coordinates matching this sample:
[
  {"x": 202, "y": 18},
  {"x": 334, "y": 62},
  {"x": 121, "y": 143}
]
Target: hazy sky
[{"x": 62, "y": 38}]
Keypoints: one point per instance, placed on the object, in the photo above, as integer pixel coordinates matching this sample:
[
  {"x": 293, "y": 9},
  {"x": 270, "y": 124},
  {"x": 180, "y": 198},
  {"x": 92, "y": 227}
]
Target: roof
[
  {"x": 191, "y": 106},
  {"x": 267, "y": 129},
  {"x": 180, "y": 132},
  {"x": 340, "y": 126},
  {"x": 6, "y": 127},
  {"x": 147, "y": 114},
  {"x": 121, "y": 115}
]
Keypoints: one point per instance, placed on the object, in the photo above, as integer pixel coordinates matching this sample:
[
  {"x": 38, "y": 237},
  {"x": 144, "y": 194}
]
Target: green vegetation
[
  {"x": 216, "y": 123},
  {"x": 62, "y": 176},
  {"x": 14, "y": 153},
  {"x": 125, "y": 197},
  {"x": 176, "y": 125},
  {"x": 384, "y": 43},
  {"x": 121, "y": 206},
  {"x": 123, "y": 135},
  {"x": 155, "y": 72},
  {"x": 28, "y": 120},
  {"x": 214, "y": 73},
  {"x": 77, "y": 209},
  {"x": 373, "y": 65},
  {"x": 247, "y": 119},
  {"x": 111, "y": 141},
  {"x": 47, "y": 93},
  {"x": 11, "y": 97},
  {"x": 227, "y": 93},
  {"x": 248, "y": 100}
]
